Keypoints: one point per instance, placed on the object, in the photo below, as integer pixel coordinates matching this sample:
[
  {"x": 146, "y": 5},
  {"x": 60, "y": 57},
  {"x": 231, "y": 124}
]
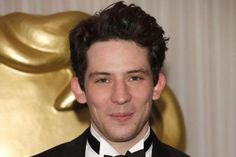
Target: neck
[{"x": 123, "y": 146}]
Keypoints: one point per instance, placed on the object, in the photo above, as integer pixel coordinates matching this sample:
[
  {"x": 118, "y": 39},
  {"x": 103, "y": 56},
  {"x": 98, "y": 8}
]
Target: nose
[{"x": 120, "y": 94}]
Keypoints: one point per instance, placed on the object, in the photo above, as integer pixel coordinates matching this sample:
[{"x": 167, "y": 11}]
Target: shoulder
[
  {"x": 70, "y": 149},
  {"x": 161, "y": 149},
  {"x": 172, "y": 152}
]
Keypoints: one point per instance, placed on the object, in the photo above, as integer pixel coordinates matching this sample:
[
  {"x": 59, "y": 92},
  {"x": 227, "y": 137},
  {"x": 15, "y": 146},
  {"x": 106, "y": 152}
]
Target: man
[{"x": 117, "y": 56}]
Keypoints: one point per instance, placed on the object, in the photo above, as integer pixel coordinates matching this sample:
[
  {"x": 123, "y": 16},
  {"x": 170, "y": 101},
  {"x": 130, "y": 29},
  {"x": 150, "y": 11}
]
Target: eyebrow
[
  {"x": 98, "y": 73},
  {"x": 141, "y": 70}
]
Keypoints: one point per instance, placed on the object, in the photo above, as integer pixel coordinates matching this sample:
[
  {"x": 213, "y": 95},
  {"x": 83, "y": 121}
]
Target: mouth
[{"x": 121, "y": 117}]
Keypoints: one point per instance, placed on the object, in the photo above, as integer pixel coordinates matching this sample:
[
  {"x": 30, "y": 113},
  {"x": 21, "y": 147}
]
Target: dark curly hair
[{"x": 118, "y": 21}]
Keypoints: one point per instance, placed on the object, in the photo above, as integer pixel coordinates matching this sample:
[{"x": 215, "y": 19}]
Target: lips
[{"x": 121, "y": 117}]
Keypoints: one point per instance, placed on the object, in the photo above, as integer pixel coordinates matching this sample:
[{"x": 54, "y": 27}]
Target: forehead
[{"x": 117, "y": 54}]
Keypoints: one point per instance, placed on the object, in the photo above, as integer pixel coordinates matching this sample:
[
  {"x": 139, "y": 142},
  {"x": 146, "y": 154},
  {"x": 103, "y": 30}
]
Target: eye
[
  {"x": 136, "y": 78},
  {"x": 102, "y": 80}
]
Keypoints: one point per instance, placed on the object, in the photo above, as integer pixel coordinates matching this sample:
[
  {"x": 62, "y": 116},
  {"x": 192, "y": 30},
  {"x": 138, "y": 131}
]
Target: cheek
[
  {"x": 143, "y": 95},
  {"x": 143, "y": 101},
  {"x": 97, "y": 101}
]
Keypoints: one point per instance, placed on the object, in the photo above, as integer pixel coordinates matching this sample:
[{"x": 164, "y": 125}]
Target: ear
[
  {"x": 159, "y": 87},
  {"x": 78, "y": 92}
]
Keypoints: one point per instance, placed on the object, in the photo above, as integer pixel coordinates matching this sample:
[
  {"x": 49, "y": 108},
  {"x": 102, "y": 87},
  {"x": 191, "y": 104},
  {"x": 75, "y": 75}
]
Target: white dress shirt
[{"x": 107, "y": 149}]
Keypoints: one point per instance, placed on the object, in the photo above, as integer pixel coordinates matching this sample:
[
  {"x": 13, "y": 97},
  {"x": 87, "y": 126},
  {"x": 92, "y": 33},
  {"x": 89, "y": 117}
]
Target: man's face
[{"x": 118, "y": 89}]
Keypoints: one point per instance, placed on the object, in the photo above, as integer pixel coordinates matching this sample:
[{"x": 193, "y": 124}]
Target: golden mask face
[{"x": 37, "y": 108}]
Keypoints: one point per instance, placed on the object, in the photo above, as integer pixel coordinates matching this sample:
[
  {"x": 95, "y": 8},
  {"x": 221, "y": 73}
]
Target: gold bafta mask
[{"x": 37, "y": 108}]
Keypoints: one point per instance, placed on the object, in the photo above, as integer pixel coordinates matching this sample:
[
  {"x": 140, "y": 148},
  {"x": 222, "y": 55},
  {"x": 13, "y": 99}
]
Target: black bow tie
[
  {"x": 140, "y": 153},
  {"x": 95, "y": 145}
]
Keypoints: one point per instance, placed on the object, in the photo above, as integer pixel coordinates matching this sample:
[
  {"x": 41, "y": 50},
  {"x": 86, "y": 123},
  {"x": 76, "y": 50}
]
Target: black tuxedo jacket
[{"x": 76, "y": 148}]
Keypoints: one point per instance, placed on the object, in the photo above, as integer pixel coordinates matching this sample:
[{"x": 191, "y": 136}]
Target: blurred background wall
[{"x": 200, "y": 64}]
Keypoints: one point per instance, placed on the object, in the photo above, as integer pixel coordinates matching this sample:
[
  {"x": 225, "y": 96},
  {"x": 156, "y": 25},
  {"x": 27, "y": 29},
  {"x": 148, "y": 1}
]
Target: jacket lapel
[
  {"x": 79, "y": 145},
  {"x": 159, "y": 149}
]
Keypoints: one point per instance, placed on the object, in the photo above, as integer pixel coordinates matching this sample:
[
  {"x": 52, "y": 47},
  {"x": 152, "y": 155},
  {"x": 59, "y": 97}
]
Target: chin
[{"x": 122, "y": 137}]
